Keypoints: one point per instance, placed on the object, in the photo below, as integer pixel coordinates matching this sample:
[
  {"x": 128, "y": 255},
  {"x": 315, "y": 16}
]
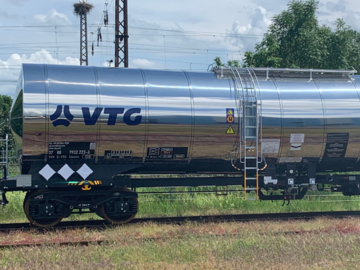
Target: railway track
[
  {"x": 107, "y": 241},
  {"x": 7, "y": 227},
  {"x": 98, "y": 224}
]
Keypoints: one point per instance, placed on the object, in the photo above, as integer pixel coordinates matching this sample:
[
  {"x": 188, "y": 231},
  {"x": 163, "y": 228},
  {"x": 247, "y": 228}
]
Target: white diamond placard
[
  {"x": 47, "y": 172},
  {"x": 66, "y": 171},
  {"x": 84, "y": 171}
]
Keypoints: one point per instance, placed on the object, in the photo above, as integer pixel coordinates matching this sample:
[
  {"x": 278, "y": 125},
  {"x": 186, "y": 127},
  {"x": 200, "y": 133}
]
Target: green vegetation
[
  {"x": 234, "y": 203},
  {"x": 317, "y": 244},
  {"x": 230, "y": 63},
  {"x": 296, "y": 40},
  {"x": 5, "y": 106}
]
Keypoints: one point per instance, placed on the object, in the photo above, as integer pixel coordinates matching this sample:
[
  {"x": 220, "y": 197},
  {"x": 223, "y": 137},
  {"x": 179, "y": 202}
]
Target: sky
[{"x": 164, "y": 34}]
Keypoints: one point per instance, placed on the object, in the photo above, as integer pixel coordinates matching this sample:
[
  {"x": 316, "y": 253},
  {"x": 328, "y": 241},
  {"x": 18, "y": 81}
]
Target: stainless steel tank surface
[{"x": 137, "y": 115}]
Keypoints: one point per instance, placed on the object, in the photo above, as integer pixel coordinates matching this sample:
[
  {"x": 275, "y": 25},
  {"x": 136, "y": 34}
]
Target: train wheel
[
  {"x": 119, "y": 211},
  {"x": 40, "y": 210}
]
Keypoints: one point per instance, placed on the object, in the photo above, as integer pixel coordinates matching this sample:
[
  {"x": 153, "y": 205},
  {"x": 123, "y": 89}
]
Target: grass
[
  {"x": 317, "y": 244},
  {"x": 210, "y": 204},
  {"x": 161, "y": 205}
]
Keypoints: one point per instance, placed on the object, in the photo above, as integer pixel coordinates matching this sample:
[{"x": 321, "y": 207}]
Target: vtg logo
[
  {"x": 91, "y": 119},
  {"x": 57, "y": 113}
]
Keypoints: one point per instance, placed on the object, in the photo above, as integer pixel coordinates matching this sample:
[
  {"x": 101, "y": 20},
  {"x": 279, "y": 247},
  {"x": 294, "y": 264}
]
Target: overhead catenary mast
[
  {"x": 81, "y": 9},
  {"x": 121, "y": 34}
]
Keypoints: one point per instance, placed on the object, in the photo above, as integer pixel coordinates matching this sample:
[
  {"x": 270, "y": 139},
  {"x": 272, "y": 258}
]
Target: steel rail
[
  {"x": 143, "y": 239},
  {"x": 98, "y": 224}
]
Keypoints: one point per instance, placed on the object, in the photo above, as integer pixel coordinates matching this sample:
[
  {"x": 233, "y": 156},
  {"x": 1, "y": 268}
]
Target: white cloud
[
  {"x": 17, "y": 2},
  {"x": 208, "y": 19},
  {"x": 10, "y": 68},
  {"x": 274, "y": 6},
  {"x": 41, "y": 57},
  {"x": 256, "y": 27},
  {"x": 142, "y": 63},
  {"x": 4, "y": 14},
  {"x": 181, "y": 47},
  {"x": 108, "y": 64},
  {"x": 52, "y": 18},
  {"x": 340, "y": 6},
  {"x": 345, "y": 9}
]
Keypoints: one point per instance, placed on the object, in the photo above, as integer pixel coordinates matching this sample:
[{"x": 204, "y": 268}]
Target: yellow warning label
[
  {"x": 86, "y": 183},
  {"x": 230, "y": 130},
  {"x": 230, "y": 112},
  {"x": 86, "y": 187}
]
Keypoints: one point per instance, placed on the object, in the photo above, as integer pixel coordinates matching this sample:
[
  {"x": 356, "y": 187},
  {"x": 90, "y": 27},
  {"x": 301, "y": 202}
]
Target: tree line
[
  {"x": 295, "y": 39},
  {"x": 5, "y": 106}
]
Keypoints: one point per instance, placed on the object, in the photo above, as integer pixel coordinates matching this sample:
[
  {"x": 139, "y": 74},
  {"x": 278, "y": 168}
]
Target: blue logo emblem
[
  {"x": 57, "y": 113},
  {"x": 91, "y": 119}
]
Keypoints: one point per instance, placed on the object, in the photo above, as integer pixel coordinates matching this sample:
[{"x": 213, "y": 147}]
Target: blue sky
[{"x": 169, "y": 34}]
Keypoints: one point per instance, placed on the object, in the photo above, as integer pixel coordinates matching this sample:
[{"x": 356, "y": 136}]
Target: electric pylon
[
  {"x": 121, "y": 34},
  {"x": 81, "y": 9}
]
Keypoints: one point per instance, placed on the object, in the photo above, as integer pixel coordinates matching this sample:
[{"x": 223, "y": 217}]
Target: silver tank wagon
[
  {"x": 83, "y": 132},
  {"x": 146, "y": 116}
]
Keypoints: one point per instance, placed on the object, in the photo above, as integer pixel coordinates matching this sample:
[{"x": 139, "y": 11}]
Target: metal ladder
[
  {"x": 250, "y": 134},
  {"x": 4, "y": 156}
]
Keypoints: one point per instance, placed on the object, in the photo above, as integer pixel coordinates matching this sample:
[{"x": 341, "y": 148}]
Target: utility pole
[
  {"x": 82, "y": 9},
  {"x": 121, "y": 34},
  {"x": 83, "y": 40}
]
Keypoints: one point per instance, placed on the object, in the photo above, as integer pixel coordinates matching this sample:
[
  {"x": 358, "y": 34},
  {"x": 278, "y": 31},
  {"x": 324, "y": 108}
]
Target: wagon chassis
[{"x": 116, "y": 199}]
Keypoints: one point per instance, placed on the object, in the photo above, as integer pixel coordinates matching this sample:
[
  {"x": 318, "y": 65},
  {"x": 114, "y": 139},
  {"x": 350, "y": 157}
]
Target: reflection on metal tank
[{"x": 107, "y": 115}]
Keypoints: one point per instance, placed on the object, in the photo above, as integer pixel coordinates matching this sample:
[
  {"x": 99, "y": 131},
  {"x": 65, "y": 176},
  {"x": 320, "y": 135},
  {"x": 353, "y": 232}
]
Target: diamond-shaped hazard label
[
  {"x": 66, "y": 171},
  {"x": 84, "y": 171},
  {"x": 47, "y": 172}
]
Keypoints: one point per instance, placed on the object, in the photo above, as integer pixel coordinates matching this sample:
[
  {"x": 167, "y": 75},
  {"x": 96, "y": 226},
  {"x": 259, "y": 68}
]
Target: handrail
[
  {"x": 304, "y": 70},
  {"x": 312, "y": 73},
  {"x": 340, "y": 71}
]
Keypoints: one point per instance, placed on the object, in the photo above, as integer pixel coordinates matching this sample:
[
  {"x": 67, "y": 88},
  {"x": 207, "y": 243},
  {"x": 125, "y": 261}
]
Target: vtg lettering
[{"x": 91, "y": 119}]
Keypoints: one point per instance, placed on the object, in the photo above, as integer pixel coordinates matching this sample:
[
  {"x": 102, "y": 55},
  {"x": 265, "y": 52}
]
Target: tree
[
  {"x": 296, "y": 40},
  {"x": 5, "y": 106},
  {"x": 230, "y": 63}
]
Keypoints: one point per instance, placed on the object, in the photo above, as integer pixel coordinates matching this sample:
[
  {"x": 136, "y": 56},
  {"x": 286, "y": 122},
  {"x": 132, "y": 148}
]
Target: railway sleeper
[{"x": 46, "y": 208}]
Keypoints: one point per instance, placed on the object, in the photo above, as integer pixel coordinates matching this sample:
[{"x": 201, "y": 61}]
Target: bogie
[
  {"x": 42, "y": 211},
  {"x": 46, "y": 208},
  {"x": 121, "y": 209}
]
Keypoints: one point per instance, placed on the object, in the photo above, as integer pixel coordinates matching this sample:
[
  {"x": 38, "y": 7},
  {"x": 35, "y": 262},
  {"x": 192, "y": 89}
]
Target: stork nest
[{"x": 82, "y": 8}]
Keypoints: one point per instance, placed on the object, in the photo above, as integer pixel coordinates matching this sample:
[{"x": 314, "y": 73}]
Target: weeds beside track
[
  {"x": 98, "y": 224},
  {"x": 158, "y": 239},
  {"x": 319, "y": 243}
]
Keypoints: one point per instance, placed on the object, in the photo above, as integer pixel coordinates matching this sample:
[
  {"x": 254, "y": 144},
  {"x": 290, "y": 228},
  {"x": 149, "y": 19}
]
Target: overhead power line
[
  {"x": 108, "y": 41},
  {"x": 67, "y": 48},
  {"x": 200, "y": 33}
]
